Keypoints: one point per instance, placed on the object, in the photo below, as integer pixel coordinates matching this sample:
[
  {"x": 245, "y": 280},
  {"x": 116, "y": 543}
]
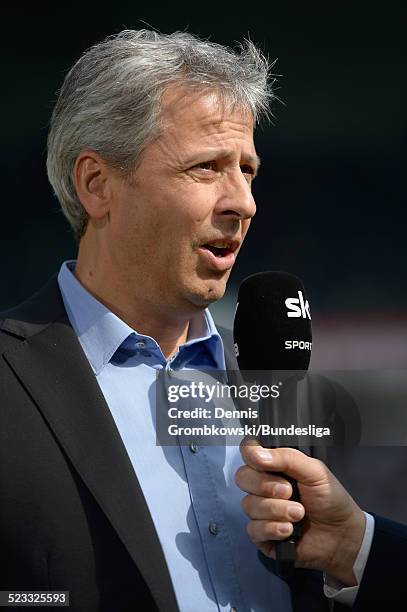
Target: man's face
[{"x": 178, "y": 224}]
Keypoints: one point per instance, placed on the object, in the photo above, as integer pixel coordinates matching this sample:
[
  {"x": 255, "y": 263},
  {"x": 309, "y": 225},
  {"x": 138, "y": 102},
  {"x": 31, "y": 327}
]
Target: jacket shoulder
[{"x": 35, "y": 313}]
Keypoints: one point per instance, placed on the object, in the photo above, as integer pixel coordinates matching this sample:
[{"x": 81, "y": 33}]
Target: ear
[{"x": 91, "y": 178}]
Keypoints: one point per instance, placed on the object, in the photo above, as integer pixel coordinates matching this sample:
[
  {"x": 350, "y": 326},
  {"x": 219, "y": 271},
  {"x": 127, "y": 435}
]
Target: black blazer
[
  {"x": 384, "y": 580},
  {"x": 72, "y": 514}
]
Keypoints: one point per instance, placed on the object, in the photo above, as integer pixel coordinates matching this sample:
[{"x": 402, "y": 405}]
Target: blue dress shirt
[{"x": 190, "y": 491}]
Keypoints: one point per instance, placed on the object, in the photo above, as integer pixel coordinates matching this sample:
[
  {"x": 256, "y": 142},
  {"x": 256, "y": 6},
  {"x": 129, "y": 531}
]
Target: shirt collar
[{"x": 100, "y": 332}]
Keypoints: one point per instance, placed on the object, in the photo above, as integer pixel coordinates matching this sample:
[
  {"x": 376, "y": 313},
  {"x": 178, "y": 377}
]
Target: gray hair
[{"x": 110, "y": 99}]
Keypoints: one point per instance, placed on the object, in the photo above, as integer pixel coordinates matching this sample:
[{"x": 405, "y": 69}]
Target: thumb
[{"x": 291, "y": 461}]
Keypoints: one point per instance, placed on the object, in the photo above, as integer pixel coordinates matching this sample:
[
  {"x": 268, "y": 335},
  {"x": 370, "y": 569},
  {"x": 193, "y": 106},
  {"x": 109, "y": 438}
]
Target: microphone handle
[
  {"x": 286, "y": 549},
  {"x": 278, "y": 413}
]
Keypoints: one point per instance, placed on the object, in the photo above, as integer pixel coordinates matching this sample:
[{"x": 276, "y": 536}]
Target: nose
[{"x": 235, "y": 198}]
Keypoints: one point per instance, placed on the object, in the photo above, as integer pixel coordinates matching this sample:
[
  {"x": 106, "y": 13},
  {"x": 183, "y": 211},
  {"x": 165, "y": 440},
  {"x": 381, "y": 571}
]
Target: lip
[
  {"x": 220, "y": 264},
  {"x": 234, "y": 243}
]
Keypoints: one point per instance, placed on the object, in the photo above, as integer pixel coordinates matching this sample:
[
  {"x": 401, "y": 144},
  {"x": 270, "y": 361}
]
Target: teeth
[{"x": 220, "y": 244}]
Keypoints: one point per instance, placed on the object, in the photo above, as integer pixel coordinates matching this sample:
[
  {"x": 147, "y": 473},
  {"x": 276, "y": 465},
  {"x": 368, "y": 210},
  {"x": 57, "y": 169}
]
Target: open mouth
[{"x": 220, "y": 248}]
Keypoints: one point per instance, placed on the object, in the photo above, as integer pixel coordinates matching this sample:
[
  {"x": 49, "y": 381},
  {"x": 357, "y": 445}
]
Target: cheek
[{"x": 198, "y": 201}]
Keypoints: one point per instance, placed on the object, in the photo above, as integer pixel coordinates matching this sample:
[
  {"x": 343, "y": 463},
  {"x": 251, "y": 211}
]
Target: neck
[{"x": 149, "y": 317}]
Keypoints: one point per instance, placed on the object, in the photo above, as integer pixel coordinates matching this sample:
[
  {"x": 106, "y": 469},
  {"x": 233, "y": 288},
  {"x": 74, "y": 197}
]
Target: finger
[
  {"x": 261, "y": 532},
  {"x": 254, "y": 454},
  {"x": 280, "y": 510},
  {"x": 262, "y": 483},
  {"x": 291, "y": 461}
]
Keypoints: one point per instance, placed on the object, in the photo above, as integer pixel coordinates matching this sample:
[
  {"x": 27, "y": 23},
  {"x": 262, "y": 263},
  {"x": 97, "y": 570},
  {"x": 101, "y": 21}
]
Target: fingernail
[
  {"x": 284, "y": 529},
  {"x": 264, "y": 455},
  {"x": 281, "y": 490},
  {"x": 294, "y": 512}
]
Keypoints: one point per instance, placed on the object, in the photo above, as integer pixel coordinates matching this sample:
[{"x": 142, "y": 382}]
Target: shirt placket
[{"x": 212, "y": 527}]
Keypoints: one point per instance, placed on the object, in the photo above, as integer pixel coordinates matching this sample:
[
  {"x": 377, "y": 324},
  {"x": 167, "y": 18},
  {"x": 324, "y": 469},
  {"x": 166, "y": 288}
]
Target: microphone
[
  {"x": 272, "y": 326},
  {"x": 273, "y": 341}
]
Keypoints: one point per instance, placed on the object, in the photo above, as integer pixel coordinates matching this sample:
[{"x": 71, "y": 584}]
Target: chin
[{"x": 208, "y": 293}]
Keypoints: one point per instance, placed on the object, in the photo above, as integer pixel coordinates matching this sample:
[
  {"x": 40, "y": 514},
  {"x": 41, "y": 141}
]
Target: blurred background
[
  {"x": 331, "y": 195},
  {"x": 331, "y": 191}
]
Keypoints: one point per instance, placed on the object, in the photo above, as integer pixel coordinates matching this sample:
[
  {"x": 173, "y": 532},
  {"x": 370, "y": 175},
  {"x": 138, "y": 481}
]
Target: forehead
[{"x": 188, "y": 113}]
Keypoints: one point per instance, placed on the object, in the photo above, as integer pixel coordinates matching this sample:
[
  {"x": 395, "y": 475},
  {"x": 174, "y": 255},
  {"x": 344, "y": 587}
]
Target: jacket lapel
[{"x": 54, "y": 370}]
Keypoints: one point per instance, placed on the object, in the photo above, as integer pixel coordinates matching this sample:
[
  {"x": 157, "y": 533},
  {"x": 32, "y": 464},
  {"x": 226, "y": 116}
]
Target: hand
[{"x": 334, "y": 525}]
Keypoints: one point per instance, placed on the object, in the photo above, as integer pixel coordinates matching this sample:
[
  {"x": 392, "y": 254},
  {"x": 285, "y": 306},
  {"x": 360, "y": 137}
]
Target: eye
[
  {"x": 207, "y": 165},
  {"x": 246, "y": 169}
]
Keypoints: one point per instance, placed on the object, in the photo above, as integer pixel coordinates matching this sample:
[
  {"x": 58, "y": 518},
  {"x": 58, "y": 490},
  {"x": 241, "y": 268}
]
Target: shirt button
[
  {"x": 213, "y": 528},
  {"x": 233, "y": 610},
  {"x": 193, "y": 447},
  {"x": 140, "y": 344}
]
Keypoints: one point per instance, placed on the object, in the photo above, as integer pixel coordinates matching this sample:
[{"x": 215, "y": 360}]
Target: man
[
  {"x": 151, "y": 156},
  {"x": 364, "y": 556}
]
